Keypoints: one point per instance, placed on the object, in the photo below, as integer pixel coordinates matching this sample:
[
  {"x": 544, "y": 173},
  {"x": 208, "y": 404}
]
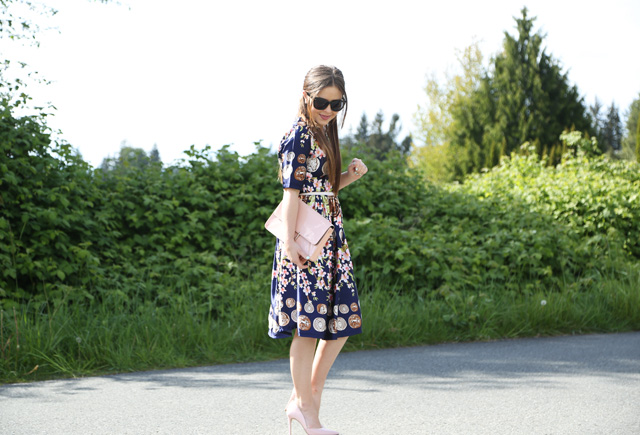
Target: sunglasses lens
[
  {"x": 320, "y": 103},
  {"x": 337, "y": 105}
]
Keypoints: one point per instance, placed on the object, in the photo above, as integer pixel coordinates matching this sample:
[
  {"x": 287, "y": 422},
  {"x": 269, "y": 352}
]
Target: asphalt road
[{"x": 563, "y": 385}]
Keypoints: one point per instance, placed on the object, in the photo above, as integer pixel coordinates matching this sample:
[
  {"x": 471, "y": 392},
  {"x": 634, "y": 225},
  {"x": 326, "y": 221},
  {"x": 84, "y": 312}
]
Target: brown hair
[{"x": 318, "y": 78}]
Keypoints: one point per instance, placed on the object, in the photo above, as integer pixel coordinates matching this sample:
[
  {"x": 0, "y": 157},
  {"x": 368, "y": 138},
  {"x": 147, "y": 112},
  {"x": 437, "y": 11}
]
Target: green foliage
[
  {"x": 611, "y": 132},
  {"x": 522, "y": 226},
  {"x": 149, "y": 241},
  {"x": 435, "y": 162},
  {"x": 372, "y": 142},
  {"x": 137, "y": 266},
  {"x": 46, "y": 228},
  {"x": 594, "y": 198},
  {"x": 607, "y": 129},
  {"x": 523, "y": 96},
  {"x": 192, "y": 229},
  {"x": 530, "y": 95},
  {"x": 116, "y": 336},
  {"x": 433, "y": 119},
  {"x": 69, "y": 233},
  {"x": 435, "y": 126},
  {"x": 131, "y": 159},
  {"x": 629, "y": 141},
  {"x": 638, "y": 140}
]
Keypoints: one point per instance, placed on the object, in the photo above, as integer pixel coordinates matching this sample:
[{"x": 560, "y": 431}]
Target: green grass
[
  {"x": 44, "y": 342},
  {"x": 494, "y": 314}
]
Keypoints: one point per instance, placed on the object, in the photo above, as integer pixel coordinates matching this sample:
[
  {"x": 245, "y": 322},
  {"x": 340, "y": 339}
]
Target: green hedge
[{"x": 69, "y": 233}]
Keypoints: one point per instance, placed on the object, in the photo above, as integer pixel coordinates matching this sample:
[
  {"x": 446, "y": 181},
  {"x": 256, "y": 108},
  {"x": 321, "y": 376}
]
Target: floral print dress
[{"x": 320, "y": 301}]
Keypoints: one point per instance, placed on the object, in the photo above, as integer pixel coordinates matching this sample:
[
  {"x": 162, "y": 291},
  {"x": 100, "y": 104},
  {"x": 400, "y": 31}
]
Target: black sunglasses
[{"x": 336, "y": 105}]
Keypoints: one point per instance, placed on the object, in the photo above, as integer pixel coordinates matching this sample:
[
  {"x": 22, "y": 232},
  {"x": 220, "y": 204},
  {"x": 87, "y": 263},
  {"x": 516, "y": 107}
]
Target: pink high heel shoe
[{"x": 294, "y": 413}]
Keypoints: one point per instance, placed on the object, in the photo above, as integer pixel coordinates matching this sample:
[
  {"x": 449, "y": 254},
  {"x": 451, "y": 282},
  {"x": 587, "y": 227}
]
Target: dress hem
[{"x": 289, "y": 334}]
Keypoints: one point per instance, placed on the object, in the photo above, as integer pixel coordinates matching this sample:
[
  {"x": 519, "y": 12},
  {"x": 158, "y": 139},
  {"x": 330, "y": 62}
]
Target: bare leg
[
  {"x": 301, "y": 361},
  {"x": 325, "y": 356}
]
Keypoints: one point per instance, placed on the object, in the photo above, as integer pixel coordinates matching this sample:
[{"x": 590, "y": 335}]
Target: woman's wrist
[
  {"x": 346, "y": 178},
  {"x": 288, "y": 241}
]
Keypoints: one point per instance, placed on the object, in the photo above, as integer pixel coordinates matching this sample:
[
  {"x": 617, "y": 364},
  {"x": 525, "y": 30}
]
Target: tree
[
  {"x": 384, "y": 142},
  {"x": 611, "y": 131},
  {"x": 525, "y": 96},
  {"x": 131, "y": 159},
  {"x": 154, "y": 155},
  {"x": 373, "y": 141},
  {"x": 596, "y": 117},
  {"x": 630, "y": 137},
  {"x": 434, "y": 124},
  {"x": 433, "y": 120},
  {"x": 362, "y": 134},
  {"x": 638, "y": 139}
]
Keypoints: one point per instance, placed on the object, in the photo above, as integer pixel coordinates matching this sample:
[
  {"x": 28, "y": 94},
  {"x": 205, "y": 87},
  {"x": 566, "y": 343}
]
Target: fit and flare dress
[{"x": 320, "y": 301}]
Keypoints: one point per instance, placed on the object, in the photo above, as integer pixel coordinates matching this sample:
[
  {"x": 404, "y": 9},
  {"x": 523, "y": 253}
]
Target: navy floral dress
[{"x": 320, "y": 301}]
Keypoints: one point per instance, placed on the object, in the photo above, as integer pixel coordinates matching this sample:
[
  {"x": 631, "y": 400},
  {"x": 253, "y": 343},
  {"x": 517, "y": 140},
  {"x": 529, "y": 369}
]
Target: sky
[{"x": 175, "y": 74}]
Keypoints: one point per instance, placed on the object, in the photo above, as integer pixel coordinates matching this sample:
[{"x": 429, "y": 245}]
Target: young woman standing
[{"x": 318, "y": 300}]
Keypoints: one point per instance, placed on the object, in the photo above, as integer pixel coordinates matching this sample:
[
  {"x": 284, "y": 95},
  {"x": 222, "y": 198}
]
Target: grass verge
[{"x": 43, "y": 342}]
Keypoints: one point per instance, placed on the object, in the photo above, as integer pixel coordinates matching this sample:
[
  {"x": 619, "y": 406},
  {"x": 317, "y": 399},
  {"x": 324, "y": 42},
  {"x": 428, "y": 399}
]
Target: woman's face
[{"x": 323, "y": 117}]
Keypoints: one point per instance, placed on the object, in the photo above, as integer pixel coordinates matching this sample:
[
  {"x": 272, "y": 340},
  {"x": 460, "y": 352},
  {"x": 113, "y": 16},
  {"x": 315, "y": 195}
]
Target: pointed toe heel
[{"x": 294, "y": 413}]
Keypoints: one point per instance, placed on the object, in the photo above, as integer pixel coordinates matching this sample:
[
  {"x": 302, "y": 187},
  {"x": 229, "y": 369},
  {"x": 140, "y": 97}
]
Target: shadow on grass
[{"x": 501, "y": 364}]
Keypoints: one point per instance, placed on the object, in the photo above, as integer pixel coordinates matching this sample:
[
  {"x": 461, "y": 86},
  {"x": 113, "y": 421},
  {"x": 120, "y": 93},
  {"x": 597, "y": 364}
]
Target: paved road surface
[{"x": 563, "y": 385}]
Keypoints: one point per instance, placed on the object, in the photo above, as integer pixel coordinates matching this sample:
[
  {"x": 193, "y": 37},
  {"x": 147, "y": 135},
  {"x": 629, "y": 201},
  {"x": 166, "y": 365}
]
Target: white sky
[{"x": 177, "y": 73}]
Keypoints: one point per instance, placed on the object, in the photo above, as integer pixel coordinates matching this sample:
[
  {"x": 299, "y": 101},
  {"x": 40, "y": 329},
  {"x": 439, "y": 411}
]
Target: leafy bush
[
  {"x": 479, "y": 234},
  {"x": 456, "y": 241},
  {"x": 183, "y": 248},
  {"x": 192, "y": 232},
  {"x": 46, "y": 218},
  {"x": 70, "y": 233},
  {"x": 596, "y": 198}
]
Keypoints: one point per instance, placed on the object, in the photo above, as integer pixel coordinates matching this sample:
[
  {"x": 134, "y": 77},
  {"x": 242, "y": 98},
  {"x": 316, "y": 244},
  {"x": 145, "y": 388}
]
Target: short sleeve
[{"x": 293, "y": 154}]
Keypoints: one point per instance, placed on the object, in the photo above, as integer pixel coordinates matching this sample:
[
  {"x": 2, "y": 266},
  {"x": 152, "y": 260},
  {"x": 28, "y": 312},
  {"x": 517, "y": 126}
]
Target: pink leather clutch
[{"x": 312, "y": 230}]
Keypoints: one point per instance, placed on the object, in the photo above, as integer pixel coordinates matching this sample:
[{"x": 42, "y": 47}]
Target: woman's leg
[
  {"x": 326, "y": 354},
  {"x": 301, "y": 357}
]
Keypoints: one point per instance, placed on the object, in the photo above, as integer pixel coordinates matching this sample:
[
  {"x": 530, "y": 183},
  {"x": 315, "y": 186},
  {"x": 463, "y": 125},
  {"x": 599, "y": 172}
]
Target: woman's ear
[{"x": 305, "y": 96}]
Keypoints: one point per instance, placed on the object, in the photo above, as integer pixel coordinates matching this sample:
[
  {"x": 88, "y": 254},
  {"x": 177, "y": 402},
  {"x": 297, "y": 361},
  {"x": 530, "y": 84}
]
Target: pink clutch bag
[{"x": 312, "y": 230}]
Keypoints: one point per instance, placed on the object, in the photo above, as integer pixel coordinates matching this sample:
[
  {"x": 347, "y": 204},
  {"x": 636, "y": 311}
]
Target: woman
[{"x": 318, "y": 300}]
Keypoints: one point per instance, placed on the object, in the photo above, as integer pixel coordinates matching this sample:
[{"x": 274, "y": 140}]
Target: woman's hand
[
  {"x": 292, "y": 251},
  {"x": 289, "y": 245},
  {"x": 357, "y": 168}
]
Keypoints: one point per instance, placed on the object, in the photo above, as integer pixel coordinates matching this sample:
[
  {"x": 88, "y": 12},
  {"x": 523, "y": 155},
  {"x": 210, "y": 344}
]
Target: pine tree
[
  {"x": 362, "y": 134},
  {"x": 596, "y": 117},
  {"x": 379, "y": 142},
  {"x": 371, "y": 139},
  {"x": 526, "y": 97},
  {"x": 131, "y": 159},
  {"x": 610, "y": 137},
  {"x": 154, "y": 155}
]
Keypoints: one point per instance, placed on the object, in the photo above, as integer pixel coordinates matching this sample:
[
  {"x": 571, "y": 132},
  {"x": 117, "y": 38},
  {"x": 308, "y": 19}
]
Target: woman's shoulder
[
  {"x": 299, "y": 131},
  {"x": 300, "y": 126}
]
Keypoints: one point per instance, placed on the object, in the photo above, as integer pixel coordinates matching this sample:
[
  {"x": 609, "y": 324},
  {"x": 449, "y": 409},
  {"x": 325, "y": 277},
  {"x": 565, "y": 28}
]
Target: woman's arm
[
  {"x": 346, "y": 178},
  {"x": 290, "y": 215},
  {"x": 355, "y": 171}
]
